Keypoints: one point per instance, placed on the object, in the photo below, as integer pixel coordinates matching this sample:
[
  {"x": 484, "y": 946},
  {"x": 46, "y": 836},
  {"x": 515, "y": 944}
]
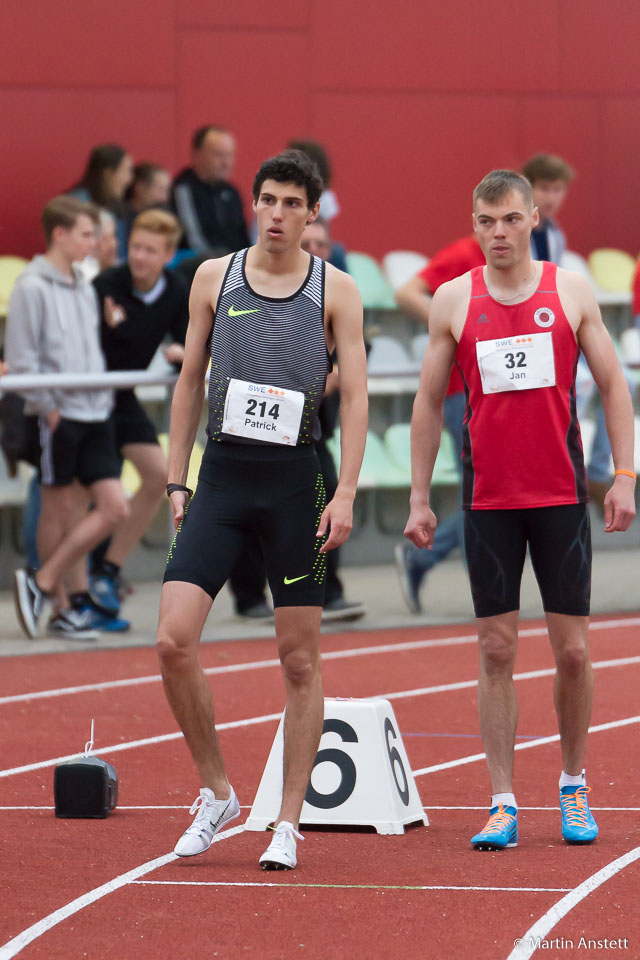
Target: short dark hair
[
  {"x": 200, "y": 134},
  {"x": 546, "y": 166},
  {"x": 63, "y": 212},
  {"x": 498, "y": 183},
  {"x": 316, "y": 152},
  {"x": 291, "y": 166}
]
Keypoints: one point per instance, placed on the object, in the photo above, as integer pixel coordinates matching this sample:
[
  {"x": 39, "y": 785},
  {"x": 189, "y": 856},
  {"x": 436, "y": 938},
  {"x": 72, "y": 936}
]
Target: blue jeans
[
  {"x": 30, "y": 517},
  {"x": 450, "y": 533}
]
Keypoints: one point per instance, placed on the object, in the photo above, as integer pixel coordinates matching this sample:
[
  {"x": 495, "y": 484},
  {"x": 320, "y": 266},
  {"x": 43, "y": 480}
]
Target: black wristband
[{"x": 178, "y": 487}]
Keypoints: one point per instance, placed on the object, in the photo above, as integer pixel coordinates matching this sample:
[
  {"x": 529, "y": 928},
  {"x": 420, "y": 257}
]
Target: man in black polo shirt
[
  {"x": 207, "y": 205},
  {"x": 142, "y": 304}
]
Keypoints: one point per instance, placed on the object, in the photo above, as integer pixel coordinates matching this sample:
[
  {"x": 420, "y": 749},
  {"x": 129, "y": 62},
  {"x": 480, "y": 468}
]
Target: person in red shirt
[
  {"x": 414, "y": 296},
  {"x": 515, "y": 329}
]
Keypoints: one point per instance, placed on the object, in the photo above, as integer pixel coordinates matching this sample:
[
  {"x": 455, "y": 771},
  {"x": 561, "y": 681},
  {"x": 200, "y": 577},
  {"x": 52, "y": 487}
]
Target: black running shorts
[
  {"x": 75, "y": 450},
  {"x": 273, "y": 493},
  {"x": 559, "y": 540},
  {"x": 131, "y": 422}
]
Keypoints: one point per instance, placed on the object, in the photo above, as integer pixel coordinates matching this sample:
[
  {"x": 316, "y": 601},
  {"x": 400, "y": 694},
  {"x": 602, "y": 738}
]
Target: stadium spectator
[
  {"x": 329, "y": 206},
  {"x": 549, "y": 177},
  {"x": 208, "y": 206},
  {"x": 150, "y": 187},
  {"x": 414, "y": 563},
  {"x": 316, "y": 240},
  {"x": 53, "y": 327},
  {"x": 105, "y": 254},
  {"x": 104, "y": 182},
  {"x": 142, "y": 303}
]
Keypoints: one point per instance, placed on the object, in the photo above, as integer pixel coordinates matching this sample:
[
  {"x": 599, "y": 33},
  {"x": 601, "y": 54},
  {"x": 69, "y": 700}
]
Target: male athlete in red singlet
[{"x": 515, "y": 329}]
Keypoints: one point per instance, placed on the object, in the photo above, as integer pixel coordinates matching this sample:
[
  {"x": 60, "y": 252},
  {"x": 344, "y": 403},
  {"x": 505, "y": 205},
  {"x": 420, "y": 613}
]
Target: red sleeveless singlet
[{"x": 522, "y": 444}]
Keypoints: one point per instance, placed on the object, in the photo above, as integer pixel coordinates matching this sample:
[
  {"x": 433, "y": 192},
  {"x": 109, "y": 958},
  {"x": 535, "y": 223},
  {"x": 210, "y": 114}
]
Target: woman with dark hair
[{"x": 104, "y": 182}]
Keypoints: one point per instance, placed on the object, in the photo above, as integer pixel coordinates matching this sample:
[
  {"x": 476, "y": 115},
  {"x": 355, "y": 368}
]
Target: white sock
[
  {"x": 567, "y": 781},
  {"x": 506, "y": 799}
]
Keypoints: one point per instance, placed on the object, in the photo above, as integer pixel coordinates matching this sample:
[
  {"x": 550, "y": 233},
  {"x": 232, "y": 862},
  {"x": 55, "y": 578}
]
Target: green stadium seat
[
  {"x": 378, "y": 469},
  {"x": 398, "y": 442},
  {"x": 375, "y": 289}
]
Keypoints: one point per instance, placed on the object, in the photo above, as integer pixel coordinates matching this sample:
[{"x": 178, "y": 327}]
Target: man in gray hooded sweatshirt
[{"x": 53, "y": 327}]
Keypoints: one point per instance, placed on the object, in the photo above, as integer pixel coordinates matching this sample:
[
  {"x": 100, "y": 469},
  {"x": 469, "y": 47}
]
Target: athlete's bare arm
[
  {"x": 188, "y": 396},
  {"x": 446, "y": 319},
  {"x": 593, "y": 337},
  {"x": 344, "y": 331}
]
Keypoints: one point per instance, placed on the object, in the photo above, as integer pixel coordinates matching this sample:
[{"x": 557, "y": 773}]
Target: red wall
[{"x": 414, "y": 100}]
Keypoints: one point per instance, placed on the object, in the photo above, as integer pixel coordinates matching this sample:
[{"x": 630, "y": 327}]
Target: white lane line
[
  {"x": 526, "y": 945},
  {"x": 257, "y": 665},
  {"x": 247, "y": 806},
  {"x": 12, "y": 947},
  {"x": 399, "y": 695},
  {"x": 345, "y": 886},
  {"x": 474, "y": 757},
  {"x": 132, "y": 744},
  {"x": 332, "y": 655},
  {"x": 529, "y": 675}
]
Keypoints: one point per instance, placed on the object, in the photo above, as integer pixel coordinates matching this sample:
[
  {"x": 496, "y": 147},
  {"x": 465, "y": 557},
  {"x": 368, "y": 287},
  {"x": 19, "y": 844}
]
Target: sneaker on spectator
[
  {"x": 104, "y": 593},
  {"x": 341, "y": 609},
  {"x": 578, "y": 825},
  {"x": 259, "y": 611},
  {"x": 211, "y": 816},
  {"x": 281, "y": 852},
  {"x": 410, "y": 577},
  {"x": 29, "y": 600},
  {"x": 72, "y": 624},
  {"x": 102, "y": 622}
]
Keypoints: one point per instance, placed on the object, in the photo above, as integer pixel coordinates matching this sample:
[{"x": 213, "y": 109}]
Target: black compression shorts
[
  {"x": 273, "y": 493},
  {"x": 559, "y": 540}
]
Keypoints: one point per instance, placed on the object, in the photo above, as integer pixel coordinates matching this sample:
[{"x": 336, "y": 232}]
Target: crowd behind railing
[{"x": 107, "y": 306}]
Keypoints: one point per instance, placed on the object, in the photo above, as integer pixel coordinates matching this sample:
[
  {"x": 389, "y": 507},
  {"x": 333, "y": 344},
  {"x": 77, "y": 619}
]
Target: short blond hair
[
  {"x": 160, "y": 222},
  {"x": 498, "y": 184}
]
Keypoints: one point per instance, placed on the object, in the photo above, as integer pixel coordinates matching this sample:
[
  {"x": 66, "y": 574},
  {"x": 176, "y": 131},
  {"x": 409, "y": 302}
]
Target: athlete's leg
[
  {"x": 183, "y": 610},
  {"x": 151, "y": 464},
  {"x": 296, "y": 571},
  {"x": 573, "y": 686},
  {"x": 497, "y": 702},
  {"x": 298, "y": 635},
  {"x": 205, "y": 548},
  {"x": 495, "y": 543},
  {"x": 560, "y": 545}
]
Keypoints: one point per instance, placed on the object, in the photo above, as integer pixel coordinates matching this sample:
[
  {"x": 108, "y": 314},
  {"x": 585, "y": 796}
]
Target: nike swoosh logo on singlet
[
  {"x": 238, "y": 313},
  {"x": 287, "y": 581}
]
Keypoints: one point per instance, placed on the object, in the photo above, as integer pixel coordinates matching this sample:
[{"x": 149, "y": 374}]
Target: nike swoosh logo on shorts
[
  {"x": 288, "y": 580},
  {"x": 238, "y": 313}
]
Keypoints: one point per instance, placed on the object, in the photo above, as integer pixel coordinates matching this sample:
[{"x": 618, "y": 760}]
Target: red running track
[{"x": 424, "y": 895}]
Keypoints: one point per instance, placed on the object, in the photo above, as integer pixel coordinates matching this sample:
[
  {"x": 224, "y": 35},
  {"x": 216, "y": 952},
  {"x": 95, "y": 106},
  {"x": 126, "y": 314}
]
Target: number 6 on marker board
[{"x": 361, "y": 774}]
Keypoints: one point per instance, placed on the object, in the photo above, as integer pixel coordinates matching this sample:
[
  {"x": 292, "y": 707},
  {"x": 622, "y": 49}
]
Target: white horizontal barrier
[{"x": 117, "y": 379}]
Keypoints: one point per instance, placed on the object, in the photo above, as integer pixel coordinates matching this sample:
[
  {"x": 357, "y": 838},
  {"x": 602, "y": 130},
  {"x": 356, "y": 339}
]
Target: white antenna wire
[{"x": 88, "y": 747}]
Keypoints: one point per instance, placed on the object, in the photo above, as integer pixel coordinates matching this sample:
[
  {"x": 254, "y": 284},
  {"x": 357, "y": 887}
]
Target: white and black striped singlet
[{"x": 273, "y": 340}]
